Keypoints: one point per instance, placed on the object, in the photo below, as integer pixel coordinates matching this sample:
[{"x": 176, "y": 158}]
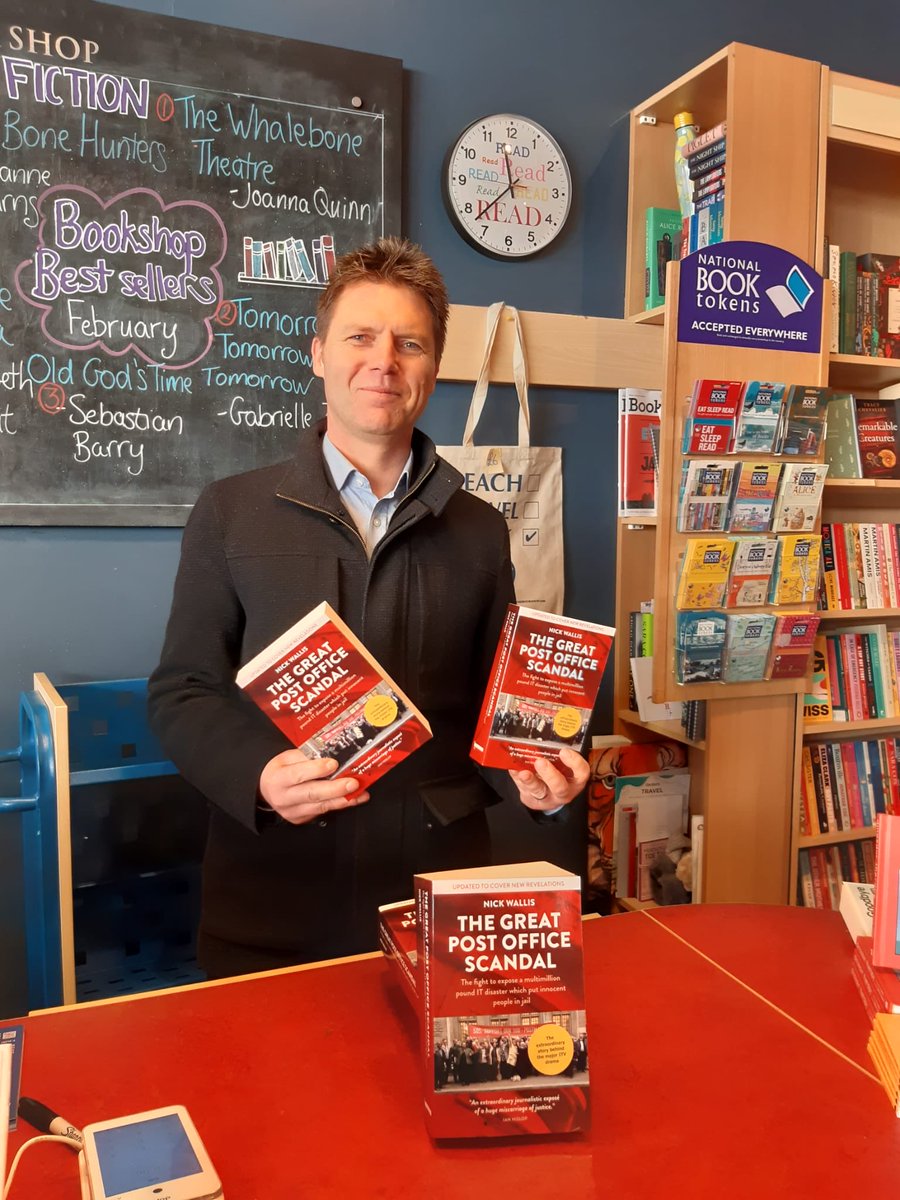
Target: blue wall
[{"x": 91, "y": 604}]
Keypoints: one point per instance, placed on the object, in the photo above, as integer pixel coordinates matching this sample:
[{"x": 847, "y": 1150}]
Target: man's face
[{"x": 378, "y": 362}]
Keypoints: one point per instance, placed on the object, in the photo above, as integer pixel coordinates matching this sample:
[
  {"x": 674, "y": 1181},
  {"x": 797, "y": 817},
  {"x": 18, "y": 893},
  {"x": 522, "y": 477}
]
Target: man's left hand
[{"x": 546, "y": 788}]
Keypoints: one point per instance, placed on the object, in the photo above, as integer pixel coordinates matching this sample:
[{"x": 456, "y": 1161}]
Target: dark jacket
[{"x": 259, "y": 551}]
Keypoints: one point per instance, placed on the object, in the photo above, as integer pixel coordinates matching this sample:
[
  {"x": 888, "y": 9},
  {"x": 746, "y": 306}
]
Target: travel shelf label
[{"x": 752, "y": 295}]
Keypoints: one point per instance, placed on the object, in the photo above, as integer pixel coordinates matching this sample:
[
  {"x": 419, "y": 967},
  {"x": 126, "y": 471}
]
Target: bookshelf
[
  {"x": 859, "y": 172},
  {"x": 771, "y": 103},
  {"x": 743, "y": 785}
]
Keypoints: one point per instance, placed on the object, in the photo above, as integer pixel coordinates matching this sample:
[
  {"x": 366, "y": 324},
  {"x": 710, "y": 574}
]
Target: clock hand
[{"x": 509, "y": 170}]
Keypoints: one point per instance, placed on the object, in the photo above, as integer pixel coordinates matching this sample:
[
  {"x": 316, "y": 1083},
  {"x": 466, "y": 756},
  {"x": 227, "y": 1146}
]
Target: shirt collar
[{"x": 342, "y": 469}]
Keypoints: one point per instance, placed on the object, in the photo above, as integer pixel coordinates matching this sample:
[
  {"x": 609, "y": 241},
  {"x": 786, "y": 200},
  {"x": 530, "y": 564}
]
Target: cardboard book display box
[{"x": 501, "y": 1001}]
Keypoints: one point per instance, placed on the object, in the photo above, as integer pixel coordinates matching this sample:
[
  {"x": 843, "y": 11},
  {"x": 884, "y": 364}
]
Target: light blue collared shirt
[{"x": 371, "y": 515}]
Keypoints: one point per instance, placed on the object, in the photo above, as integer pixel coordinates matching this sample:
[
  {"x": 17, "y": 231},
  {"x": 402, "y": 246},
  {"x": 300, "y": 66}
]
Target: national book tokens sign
[{"x": 750, "y": 294}]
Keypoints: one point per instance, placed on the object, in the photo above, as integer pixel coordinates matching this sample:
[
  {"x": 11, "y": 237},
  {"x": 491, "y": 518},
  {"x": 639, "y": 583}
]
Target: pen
[{"x": 47, "y": 1121}]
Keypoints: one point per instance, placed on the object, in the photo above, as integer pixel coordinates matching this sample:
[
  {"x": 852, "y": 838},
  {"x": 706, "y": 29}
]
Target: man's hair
[{"x": 395, "y": 261}]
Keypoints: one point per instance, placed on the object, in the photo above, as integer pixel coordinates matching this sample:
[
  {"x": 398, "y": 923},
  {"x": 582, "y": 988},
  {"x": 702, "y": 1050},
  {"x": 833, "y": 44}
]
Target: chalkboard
[{"x": 172, "y": 198}]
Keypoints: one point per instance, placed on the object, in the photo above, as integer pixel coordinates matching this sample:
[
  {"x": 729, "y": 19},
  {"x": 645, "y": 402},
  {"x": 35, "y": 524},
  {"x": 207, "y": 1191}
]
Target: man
[{"x": 369, "y": 518}]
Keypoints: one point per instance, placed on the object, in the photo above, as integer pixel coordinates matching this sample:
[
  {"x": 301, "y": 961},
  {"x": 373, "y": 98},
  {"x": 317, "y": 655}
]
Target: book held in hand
[
  {"x": 501, "y": 994},
  {"x": 330, "y": 698},
  {"x": 542, "y": 688}
]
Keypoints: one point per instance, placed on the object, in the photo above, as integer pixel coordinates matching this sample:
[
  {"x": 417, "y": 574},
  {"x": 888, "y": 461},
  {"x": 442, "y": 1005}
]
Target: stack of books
[
  {"x": 706, "y": 167},
  {"x": 884, "y": 1051},
  {"x": 865, "y": 295}
]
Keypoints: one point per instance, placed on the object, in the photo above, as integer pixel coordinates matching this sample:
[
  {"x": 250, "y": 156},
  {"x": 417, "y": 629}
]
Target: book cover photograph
[
  {"x": 503, "y": 1022},
  {"x": 331, "y": 699},
  {"x": 542, "y": 688}
]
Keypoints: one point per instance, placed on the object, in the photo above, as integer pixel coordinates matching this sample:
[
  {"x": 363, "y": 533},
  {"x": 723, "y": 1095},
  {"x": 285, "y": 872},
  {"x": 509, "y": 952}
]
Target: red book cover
[
  {"x": 716, "y": 399},
  {"x": 397, "y": 939},
  {"x": 328, "y": 695},
  {"x": 542, "y": 688},
  {"x": 792, "y": 645},
  {"x": 638, "y": 416},
  {"x": 886, "y": 923},
  {"x": 879, "y": 439},
  {"x": 502, "y": 997}
]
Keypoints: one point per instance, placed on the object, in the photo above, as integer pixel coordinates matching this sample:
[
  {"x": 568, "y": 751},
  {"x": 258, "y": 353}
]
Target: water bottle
[{"x": 685, "y": 131}]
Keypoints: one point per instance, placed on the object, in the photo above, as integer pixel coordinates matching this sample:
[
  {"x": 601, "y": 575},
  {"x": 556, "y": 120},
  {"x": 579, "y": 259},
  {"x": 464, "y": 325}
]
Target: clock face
[{"x": 507, "y": 186}]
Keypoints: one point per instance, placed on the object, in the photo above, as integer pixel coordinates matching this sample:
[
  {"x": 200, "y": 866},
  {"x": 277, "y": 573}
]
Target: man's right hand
[{"x": 297, "y": 787}]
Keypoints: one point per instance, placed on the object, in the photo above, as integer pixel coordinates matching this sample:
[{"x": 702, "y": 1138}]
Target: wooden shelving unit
[
  {"x": 772, "y": 105},
  {"x": 857, "y": 208}
]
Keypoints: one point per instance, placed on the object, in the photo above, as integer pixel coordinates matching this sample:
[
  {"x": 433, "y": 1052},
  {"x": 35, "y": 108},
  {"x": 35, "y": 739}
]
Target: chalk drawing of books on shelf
[
  {"x": 287, "y": 262},
  {"x": 793, "y": 295}
]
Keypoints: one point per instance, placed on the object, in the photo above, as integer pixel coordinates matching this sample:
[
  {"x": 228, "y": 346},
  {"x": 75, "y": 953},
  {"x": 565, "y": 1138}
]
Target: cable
[{"x": 50, "y": 1137}]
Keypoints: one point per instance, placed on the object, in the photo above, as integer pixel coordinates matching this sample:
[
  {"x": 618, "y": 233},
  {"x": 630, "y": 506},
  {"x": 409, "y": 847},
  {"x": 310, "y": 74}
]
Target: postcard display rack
[{"x": 743, "y": 773}]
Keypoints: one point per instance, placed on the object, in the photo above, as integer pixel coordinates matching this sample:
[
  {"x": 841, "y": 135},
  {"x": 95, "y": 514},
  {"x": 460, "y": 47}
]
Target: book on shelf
[
  {"x": 817, "y": 707},
  {"x": 752, "y": 563},
  {"x": 693, "y": 719},
  {"x": 866, "y": 312},
  {"x": 703, "y": 143},
  {"x": 847, "y": 336},
  {"x": 759, "y": 419},
  {"x": 877, "y": 435},
  {"x": 796, "y": 575},
  {"x": 822, "y": 870},
  {"x": 639, "y": 411},
  {"x": 841, "y": 443},
  {"x": 753, "y": 496},
  {"x": 698, "y": 824},
  {"x": 805, "y": 421},
  {"x": 612, "y": 758},
  {"x": 833, "y": 270},
  {"x": 663, "y": 232},
  {"x": 707, "y": 169},
  {"x": 857, "y": 908},
  {"x": 502, "y": 982},
  {"x": 886, "y": 922},
  {"x": 862, "y": 672},
  {"x": 705, "y": 495},
  {"x": 649, "y": 709},
  {"x": 710, "y": 424},
  {"x": 861, "y": 565},
  {"x": 799, "y": 497},
  {"x": 327, "y": 694},
  {"x": 792, "y": 645},
  {"x": 397, "y": 940},
  {"x": 884, "y": 272},
  {"x": 542, "y": 688},
  {"x": 747, "y": 640},
  {"x": 659, "y": 804},
  {"x": 705, "y": 567},
  {"x": 699, "y": 646}
]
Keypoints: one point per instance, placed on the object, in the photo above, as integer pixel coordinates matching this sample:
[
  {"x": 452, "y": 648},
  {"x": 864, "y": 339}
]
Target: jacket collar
[{"x": 307, "y": 480}]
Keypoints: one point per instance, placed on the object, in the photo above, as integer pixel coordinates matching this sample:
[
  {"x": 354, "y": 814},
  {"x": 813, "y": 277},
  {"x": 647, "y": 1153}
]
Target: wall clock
[{"x": 507, "y": 186}]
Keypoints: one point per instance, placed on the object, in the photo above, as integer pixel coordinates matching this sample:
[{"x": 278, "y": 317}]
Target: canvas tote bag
[{"x": 524, "y": 482}]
